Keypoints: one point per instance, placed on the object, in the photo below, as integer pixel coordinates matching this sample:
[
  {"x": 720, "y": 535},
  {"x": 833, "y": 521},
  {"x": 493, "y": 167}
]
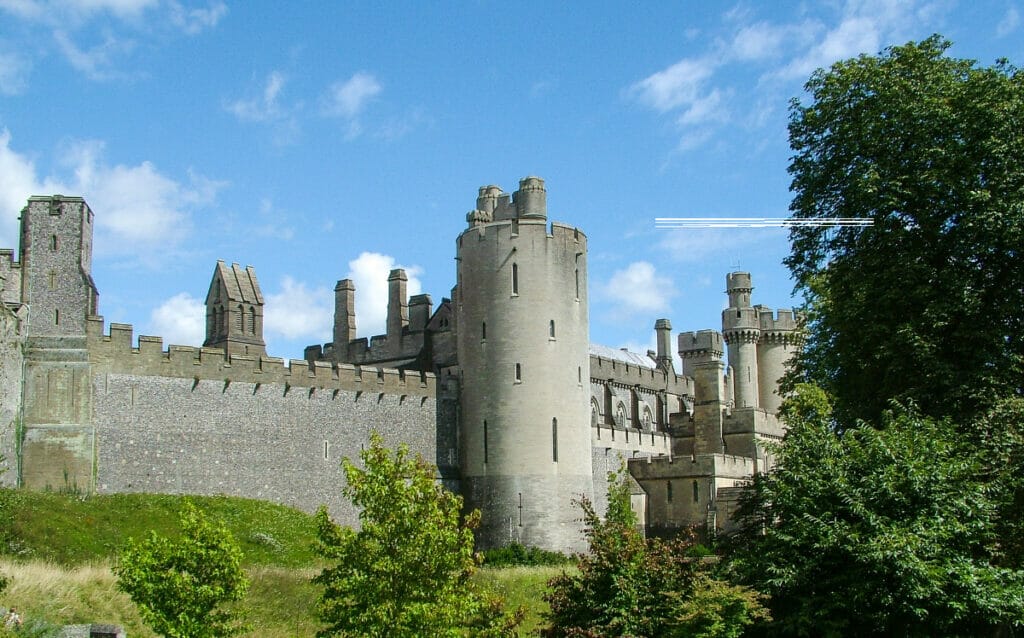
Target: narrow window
[
  {"x": 56, "y": 317},
  {"x": 238, "y": 319},
  {"x": 515, "y": 279},
  {"x": 668, "y": 490},
  {"x": 53, "y": 242},
  {"x": 577, "y": 284},
  {"x": 696, "y": 492},
  {"x": 326, "y": 450},
  {"x": 53, "y": 280},
  {"x": 579, "y": 374},
  {"x": 551, "y": 328},
  {"x": 519, "y": 373},
  {"x": 485, "y": 441},
  {"x": 483, "y": 330},
  {"x": 520, "y": 509},
  {"x": 554, "y": 440}
]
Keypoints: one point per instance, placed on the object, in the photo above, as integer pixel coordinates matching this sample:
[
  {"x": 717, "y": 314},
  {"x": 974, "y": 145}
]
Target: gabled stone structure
[{"x": 234, "y": 311}]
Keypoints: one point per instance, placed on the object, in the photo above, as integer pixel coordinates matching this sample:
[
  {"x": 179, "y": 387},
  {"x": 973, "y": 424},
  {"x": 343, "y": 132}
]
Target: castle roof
[
  {"x": 239, "y": 284},
  {"x": 623, "y": 355}
]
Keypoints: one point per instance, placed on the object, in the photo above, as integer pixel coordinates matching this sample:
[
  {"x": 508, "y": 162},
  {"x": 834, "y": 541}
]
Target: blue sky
[{"x": 318, "y": 141}]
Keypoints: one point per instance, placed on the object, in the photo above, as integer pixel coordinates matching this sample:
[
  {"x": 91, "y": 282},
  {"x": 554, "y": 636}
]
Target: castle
[{"x": 499, "y": 386}]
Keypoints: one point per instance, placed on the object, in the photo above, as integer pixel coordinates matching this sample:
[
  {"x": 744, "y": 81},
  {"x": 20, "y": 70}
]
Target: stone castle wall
[
  {"x": 194, "y": 420},
  {"x": 10, "y": 394}
]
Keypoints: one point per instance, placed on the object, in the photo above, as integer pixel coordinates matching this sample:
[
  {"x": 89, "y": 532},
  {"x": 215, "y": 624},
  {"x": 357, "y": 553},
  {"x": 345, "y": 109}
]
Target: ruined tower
[
  {"x": 234, "y": 311},
  {"x": 522, "y": 340}
]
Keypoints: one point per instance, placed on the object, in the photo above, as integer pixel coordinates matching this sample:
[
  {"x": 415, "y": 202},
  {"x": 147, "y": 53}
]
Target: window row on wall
[
  {"x": 645, "y": 420},
  {"x": 695, "y": 487},
  {"x": 518, "y": 374}
]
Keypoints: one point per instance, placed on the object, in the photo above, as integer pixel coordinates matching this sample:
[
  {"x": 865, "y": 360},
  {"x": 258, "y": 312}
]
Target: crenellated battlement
[
  {"x": 784, "y": 319},
  {"x": 605, "y": 369},
  {"x": 704, "y": 344},
  {"x": 114, "y": 352}
]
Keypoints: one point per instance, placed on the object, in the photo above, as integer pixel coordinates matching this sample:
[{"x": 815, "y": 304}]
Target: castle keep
[{"x": 499, "y": 386}]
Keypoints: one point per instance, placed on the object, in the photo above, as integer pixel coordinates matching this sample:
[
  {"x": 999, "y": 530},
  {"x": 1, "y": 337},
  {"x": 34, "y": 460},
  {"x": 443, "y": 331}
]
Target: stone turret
[
  {"x": 780, "y": 338},
  {"x": 701, "y": 353},
  {"x": 741, "y": 328},
  {"x": 234, "y": 311},
  {"x": 663, "y": 333},
  {"x": 398, "y": 308},
  {"x": 523, "y": 354}
]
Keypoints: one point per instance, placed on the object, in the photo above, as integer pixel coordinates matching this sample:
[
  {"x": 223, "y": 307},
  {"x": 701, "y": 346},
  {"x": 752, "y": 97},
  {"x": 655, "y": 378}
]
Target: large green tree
[
  {"x": 180, "y": 585},
  {"x": 406, "y": 572},
  {"x": 887, "y": 529},
  {"x": 927, "y": 304}
]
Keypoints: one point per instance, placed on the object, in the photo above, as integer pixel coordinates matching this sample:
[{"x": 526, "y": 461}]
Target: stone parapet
[{"x": 114, "y": 352}]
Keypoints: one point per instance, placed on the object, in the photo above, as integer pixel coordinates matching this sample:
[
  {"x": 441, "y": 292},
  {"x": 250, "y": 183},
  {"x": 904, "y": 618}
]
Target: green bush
[{"x": 519, "y": 555}]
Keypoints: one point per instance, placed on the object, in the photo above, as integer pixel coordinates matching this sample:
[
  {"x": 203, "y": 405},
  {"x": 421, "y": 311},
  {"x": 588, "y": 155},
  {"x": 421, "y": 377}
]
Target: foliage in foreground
[
  {"x": 877, "y": 530},
  {"x": 631, "y": 586},
  {"x": 406, "y": 572},
  {"x": 180, "y": 585},
  {"x": 519, "y": 555},
  {"x": 926, "y": 304}
]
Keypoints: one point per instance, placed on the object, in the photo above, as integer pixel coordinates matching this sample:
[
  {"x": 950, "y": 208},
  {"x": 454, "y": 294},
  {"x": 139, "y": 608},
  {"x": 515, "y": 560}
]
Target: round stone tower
[
  {"x": 742, "y": 330},
  {"x": 523, "y": 351}
]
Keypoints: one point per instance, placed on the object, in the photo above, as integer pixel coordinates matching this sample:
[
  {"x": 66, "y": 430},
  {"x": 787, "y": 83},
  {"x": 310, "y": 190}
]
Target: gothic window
[
  {"x": 647, "y": 419},
  {"x": 238, "y": 318},
  {"x": 251, "y": 321},
  {"x": 515, "y": 279},
  {"x": 620, "y": 416},
  {"x": 593, "y": 414}
]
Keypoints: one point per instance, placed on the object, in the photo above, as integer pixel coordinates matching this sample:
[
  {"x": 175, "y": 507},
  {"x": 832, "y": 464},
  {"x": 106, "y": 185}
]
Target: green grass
[
  {"x": 59, "y": 549},
  {"x": 68, "y": 529}
]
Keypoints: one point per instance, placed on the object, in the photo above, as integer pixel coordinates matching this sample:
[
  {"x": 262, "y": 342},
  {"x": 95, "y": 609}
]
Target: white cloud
[
  {"x": 14, "y": 70},
  {"x": 347, "y": 99},
  {"x": 96, "y": 63},
  {"x": 638, "y": 289},
  {"x": 264, "y": 107},
  {"x": 1009, "y": 23},
  {"x": 297, "y": 311},
  {"x": 142, "y": 209},
  {"x": 18, "y": 182},
  {"x": 369, "y": 271},
  {"x": 180, "y": 320},
  {"x": 143, "y": 213},
  {"x": 680, "y": 85},
  {"x": 124, "y": 8},
  {"x": 193, "y": 21},
  {"x": 697, "y": 245}
]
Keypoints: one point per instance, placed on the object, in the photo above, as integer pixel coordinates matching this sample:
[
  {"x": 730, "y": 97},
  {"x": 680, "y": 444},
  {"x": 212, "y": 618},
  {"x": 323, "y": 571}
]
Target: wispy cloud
[
  {"x": 702, "y": 99},
  {"x": 1009, "y": 23},
  {"x": 346, "y": 100},
  {"x": 637, "y": 289},
  {"x": 65, "y": 23},
  {"x": 267, "y": 107},
  {"x": 14, "y": 72},
  {"x": 146, "y": 214}
]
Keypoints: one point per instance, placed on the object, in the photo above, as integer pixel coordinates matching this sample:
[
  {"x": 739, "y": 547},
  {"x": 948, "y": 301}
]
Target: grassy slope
[{"x": 58, "y": 560}]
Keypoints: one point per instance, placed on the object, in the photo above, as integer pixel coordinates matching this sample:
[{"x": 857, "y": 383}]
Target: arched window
[
  {"x": 593, "y": 414},
  {"x": 250, "y": 323},
  {"x": 620, "y": 416},
  {"x": 648, "y": 419},
  {"x": 238, "y": 318}
]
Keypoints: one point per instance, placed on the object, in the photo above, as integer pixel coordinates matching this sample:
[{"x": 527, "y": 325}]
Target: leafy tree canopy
[
  {"x": 406, "y": 571},
  {"x": 180, "y": 584},
  {"x": 927, "y": 304},
  {"x": 631, "y": 586},
  {"x": 876, "y": 531}
]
